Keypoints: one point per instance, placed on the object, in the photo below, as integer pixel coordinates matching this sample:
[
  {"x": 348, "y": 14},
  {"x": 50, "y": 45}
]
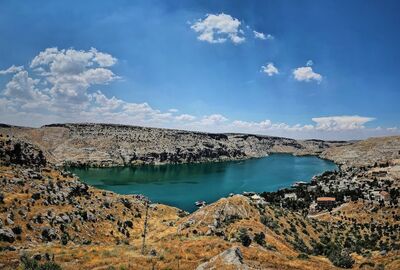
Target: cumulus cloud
[
  {"x": 70, "y": 73},
  {"x": 306, "y": 74},
  {"x": 11, "y": 70},
  {"x": 213, "y": 119},
  {"x": 218, "y": 28},
  {"x": 341, "y": 122},
  {"x": 330, "y": 127},
  {"x": 270, "y": 69},
  {"x": 58, "y": 87}
]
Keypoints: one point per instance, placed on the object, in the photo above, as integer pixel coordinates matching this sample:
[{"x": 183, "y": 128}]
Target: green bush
[
  {"x": 341, "y": 259},
  {"x": 32, "y": 264},
  {"x": 259, "y": 238},
  {"x": 244, "y": 237},
  {"x": 303, "y": 256}
]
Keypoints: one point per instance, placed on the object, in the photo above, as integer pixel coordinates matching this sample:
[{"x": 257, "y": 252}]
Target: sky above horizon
[{"x": 300, "y": 69}]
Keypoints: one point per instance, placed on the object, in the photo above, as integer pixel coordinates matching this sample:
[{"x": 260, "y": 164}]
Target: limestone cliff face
[
  {"x": 366, "y": 152},
  {"x": 115, "y": 145}
]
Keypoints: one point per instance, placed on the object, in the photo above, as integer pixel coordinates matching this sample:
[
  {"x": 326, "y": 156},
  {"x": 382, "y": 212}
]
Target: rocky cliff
[{"x": 115, "y": 145}]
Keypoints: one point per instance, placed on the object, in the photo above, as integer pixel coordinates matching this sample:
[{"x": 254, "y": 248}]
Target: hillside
[
  {"x": 49, "y": 217},
  {"x": 366, "y": 152},
  {"x": 113, "y": 145}
]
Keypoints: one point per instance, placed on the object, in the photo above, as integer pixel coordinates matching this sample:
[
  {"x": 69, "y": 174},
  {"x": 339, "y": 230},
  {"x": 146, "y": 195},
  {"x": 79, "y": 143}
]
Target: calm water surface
[{"x": 182, "y": 184}]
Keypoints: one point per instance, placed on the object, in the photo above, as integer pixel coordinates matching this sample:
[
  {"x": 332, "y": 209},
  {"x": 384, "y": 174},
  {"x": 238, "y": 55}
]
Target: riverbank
[{"x": 169, "y": 184}]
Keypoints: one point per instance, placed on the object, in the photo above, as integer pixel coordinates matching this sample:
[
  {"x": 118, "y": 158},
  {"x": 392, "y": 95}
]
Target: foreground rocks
[{"x": 7, "y": 235}]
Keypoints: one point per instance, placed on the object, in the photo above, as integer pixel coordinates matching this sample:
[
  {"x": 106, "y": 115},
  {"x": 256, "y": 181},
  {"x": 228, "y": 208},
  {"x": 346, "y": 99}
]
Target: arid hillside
[
  {"x": 111, "y": 145},
  {"x": 50, "y": 219},
  {"x": 366, "y": 152}
]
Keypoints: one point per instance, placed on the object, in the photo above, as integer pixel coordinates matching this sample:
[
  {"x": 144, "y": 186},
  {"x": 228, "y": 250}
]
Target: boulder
[
  {"x": 48, "y": 234},
  {"x": 231, "y": 258},
  {"x": 7, "y": 235}
]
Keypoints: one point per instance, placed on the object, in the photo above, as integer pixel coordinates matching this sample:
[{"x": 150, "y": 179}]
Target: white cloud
[
  {"x": 306, "y": 74},
  {"x": 107, "y": 103},
  {"x": 309, "y": 63},
  {"x": 12, "y": 69},
  {"x": 270, "y": 37},
  {"x": 341, "y": 122},
  {"x": 218, "y": 29},
  {"x": 331, "y": 127},
  {"x": 260, "y": 35},
  {"x": 61, "y": 90},
  {"x": 103, "y": 59},
  {"x": 70, "y": 73},
  {"x": 213, "y": 119},
  {"x": 23, "y": 88},
  {"x": 185, "y": 117},
  {"x": 270, "y": 69}
]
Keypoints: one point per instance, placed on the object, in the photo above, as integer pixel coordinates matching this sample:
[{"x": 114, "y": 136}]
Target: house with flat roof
[
  {"x": 326, "y": 201},
  {"x": 291, "y": 196}
]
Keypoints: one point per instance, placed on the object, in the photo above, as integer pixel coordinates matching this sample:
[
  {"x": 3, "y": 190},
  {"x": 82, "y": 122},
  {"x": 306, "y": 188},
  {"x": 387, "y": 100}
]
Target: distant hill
[{"x": 114, "y": 145}]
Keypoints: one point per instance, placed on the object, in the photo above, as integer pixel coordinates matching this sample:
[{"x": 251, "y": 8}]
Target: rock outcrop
[
  {"x": 16, "y": 151},
  {"x": 231, "y": 258}
]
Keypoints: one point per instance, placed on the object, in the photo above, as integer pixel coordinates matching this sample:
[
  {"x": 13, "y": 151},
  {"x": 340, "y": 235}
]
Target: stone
[
  {"x": 9, "y": 220},
  {"x": 231, "y": 258},
  {"x": 7, "y": 235},
  {"x": 48, "y": 234},
  {"x": 66, "y": 218}
]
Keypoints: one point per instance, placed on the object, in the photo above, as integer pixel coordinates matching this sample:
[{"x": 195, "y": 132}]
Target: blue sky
[{"x": 303, "y": 69}]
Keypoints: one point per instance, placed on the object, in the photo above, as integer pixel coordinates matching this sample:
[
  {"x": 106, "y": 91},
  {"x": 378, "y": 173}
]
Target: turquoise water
[{"x": 181, "y": 185}]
